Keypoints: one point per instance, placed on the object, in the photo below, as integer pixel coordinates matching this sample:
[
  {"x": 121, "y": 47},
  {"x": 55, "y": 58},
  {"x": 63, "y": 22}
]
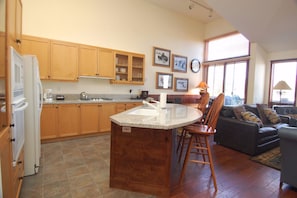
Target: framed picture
[
  {"x": 181, "y": 84},
  {"x": 161, "y": 57},
  {"x": 179, "y": 63},
  {"x": 164, "y": 80}
]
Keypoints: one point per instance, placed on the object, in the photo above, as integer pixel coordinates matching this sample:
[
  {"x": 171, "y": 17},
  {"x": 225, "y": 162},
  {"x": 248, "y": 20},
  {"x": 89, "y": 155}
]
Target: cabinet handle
[
  {"x": 12, "y": 140},
  {"x": 20, "y": 178},
  {"x": 18, "y": 41},
  {"x": 20, "y": 162},
  {"x": 11, "y": 125}
]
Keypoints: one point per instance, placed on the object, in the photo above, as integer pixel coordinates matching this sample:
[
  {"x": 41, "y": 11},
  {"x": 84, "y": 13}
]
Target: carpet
[{"x": 270, "y": 158}]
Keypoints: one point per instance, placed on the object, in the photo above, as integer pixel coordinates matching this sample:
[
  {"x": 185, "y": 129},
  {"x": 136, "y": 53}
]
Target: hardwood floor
[{"x": 80, "y": 168}]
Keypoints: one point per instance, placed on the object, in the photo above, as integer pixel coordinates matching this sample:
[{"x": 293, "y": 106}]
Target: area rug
[{"x": 270, "y": 158}]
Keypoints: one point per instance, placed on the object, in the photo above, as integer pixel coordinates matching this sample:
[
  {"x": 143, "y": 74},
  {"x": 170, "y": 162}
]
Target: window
[
  {"x": 227, "y": 67},
  {"x": 283, "y": 70}
]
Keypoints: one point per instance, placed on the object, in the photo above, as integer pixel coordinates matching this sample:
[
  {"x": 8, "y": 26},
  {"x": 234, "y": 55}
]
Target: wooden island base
[{"x": 143, "y": 160}]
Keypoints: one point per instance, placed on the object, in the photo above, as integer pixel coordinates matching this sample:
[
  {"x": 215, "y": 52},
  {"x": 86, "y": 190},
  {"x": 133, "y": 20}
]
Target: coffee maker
[{"x": 144, "y": 94}]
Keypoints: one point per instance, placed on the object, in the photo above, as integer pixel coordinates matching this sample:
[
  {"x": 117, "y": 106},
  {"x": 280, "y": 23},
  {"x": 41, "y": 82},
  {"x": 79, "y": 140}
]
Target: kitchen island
[{"x": 143, "y": 148}]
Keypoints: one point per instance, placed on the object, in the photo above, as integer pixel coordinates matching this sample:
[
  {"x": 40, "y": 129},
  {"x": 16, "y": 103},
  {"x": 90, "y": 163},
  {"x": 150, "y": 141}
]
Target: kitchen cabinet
[
  {"x": 2, "y": 54},
  {"x": 41, "y": 48},
  {"x": 105, "y": 111},
  {"x": 96, "y": 62},
  {"x": 68, "y": 120},
  {"x": 129, "y": 68},
  {"x": 14, "y": 23},
  {"x": 49, "y": 122},
  {"x": 6, "y": 159},
  {"x": 64, "y": 61},
  {"x": 18, "y": 174},
  {"x": 89, "y": 118}
]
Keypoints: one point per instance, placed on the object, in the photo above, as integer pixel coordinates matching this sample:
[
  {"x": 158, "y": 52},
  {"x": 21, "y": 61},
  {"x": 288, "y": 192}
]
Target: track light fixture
[{"x": 193, "y": 3}]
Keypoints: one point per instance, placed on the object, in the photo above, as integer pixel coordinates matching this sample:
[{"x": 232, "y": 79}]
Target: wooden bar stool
[
  {"x": 202, "y": 105},
  {"x": 199, "y": 140}
]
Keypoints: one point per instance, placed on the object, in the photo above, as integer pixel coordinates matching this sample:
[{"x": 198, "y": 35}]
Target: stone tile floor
[{"x": 77, "y": 168}]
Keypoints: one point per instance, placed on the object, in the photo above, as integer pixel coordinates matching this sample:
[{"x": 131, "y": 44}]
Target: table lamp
[
  {"x": 281, "y": 85},
  {"x": 203, "y": 87}
]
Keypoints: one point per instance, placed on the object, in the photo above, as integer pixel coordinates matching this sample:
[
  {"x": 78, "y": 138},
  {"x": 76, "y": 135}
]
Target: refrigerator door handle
[{"x": 22, "y": 107}]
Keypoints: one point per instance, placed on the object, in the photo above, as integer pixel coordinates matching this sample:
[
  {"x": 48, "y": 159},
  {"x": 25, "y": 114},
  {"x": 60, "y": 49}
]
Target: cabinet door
[
  {"x": 120, "y": 107},
  {"x": 6, "y": 163},
  {"x": 137, "y": 75},
  {"x": 88, "y": 61},
  {"x": 41, "y": 48},
  {"x": 18, "y": 174},
  {"x": 69, "y": 120},
  {"x": 2, "y": 54},
  {"x": 105, "y": 111},
  {"x": 89, "y": 116},
  {"x": 64, "y": 61},
  {"x": 106, "y": 63},
  {"x": 48, "y": 122},
  {"x": 18, "y": 21},
  {"x": 121, "y": 68}
]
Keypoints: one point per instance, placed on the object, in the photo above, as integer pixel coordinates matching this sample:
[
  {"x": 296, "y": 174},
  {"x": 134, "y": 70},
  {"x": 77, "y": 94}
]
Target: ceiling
[{"x": 270, "y": 23}]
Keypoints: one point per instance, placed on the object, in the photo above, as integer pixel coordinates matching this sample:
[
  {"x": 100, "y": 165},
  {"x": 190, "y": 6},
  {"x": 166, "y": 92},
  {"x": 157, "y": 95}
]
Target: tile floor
[{"x": 73, "y": 169}]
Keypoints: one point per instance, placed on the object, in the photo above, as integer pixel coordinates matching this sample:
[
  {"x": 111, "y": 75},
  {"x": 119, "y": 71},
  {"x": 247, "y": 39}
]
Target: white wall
[{"x": 131, "y": 25}]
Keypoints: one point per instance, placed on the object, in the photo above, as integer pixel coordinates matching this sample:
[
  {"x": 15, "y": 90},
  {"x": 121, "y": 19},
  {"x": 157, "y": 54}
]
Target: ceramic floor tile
[{"x": 77, "y": 168}]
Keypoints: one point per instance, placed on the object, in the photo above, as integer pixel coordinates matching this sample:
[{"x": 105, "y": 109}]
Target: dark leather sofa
[{"x": 245, "y": 136}]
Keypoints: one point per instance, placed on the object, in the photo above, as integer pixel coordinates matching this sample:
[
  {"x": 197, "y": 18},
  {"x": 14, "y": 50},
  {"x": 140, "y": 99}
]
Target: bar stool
[{"x": 199, "y": 140}]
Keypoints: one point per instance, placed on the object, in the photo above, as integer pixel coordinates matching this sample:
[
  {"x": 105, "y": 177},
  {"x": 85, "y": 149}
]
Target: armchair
[{"x": 288, "y": 147}]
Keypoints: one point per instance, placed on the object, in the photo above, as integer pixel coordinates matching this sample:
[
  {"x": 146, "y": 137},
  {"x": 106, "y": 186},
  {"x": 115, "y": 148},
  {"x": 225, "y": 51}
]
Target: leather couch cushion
[{"x": 266, "y": 134}]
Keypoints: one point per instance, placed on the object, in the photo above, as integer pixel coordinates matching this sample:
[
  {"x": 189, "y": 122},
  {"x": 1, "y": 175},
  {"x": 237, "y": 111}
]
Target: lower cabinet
[
  {"x": 120, "y": 107},
  {"x": 6, "y": 159},
  {"x": 18, "y": 174},
  {"x": 65, "y": 120}
]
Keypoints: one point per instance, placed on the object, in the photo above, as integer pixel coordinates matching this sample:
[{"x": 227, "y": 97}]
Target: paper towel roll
[{"x": 163, "y": 100}]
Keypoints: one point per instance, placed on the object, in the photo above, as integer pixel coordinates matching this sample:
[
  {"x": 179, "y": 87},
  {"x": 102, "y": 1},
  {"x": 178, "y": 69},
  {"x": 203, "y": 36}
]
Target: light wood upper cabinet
[
  {"x": 64, "y": 61},
  {"x": 41, "y": 48},
  {"x": 89, "y": 118},
  {"x": 88, "y": 58},
  {"x": 2, "y": 54},
  {"x": 129, "y": 68},
  {"x": 96, "y": 62},
  {"x": 49, "y": 122},
  {"x": 14, "y": 23},
  {"x": 106, "y": 66}
]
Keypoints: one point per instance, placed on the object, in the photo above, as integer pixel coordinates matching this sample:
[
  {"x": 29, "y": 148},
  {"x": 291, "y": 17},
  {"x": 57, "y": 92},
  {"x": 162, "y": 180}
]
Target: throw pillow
[
  {"x": 249, "y": 116},
  {"x": 272, "y": 116},
  {"x": 260, "y": 108},
  {"x": 237, "y": 111}
]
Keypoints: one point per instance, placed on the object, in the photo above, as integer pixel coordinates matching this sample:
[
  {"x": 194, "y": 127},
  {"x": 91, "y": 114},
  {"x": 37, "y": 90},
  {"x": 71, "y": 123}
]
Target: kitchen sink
[{"x": 145, "y": 112}]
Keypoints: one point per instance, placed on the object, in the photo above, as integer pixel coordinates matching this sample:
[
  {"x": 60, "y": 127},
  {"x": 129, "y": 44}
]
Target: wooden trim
[{"x": 224, "y": 61}]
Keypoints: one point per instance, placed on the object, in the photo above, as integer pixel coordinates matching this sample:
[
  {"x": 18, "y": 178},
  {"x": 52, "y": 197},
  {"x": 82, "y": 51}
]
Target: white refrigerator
[{"x": 33, "y": 94}]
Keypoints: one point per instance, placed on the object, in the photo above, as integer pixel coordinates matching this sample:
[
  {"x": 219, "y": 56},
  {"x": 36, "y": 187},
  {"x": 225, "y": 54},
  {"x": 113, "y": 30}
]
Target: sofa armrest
[
  {"x": 288, "y": 133},
  {"x": 285, "y": 119}
]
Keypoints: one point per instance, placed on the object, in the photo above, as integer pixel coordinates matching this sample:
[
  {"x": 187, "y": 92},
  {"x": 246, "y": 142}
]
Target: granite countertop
[
  {"x": 78, "y": 101},
  {"x": 174, "y": 116}
]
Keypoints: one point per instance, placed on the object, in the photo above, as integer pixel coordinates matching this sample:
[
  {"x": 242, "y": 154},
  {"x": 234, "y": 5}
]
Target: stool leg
[
  {"x": 186, "y": 158},
  {"x": 184, "y": 133},
  {"x": 211, "y": 164}
]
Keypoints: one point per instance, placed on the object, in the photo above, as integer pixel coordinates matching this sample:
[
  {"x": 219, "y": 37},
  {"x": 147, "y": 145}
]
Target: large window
[
  {"x": 283, "y": 82},
  {"x": 226, "y": 67}
]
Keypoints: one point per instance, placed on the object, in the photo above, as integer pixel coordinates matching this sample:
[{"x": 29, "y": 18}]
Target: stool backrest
[
  {"x": 214, "y": 112},
  {"x": 203, "y": 102}
]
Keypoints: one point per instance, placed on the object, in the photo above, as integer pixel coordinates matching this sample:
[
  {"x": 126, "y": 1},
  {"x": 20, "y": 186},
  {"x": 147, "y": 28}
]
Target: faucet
[{"x": 151, "y": 105}]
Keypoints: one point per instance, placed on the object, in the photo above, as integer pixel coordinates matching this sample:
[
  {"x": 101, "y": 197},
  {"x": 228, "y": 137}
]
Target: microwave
[{"x": 17, "y": 76}]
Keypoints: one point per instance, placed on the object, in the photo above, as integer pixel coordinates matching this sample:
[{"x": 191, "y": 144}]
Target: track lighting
[{"x": 193, "y": 3}]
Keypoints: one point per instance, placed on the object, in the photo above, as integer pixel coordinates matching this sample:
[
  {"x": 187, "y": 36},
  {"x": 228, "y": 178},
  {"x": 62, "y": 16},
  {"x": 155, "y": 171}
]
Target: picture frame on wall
[
  {"x": 161, "y": 57},
  {"x": 179, "y": 63},
  {"x": 181, "y": 84},
  {"x": 164, "y": 80}
]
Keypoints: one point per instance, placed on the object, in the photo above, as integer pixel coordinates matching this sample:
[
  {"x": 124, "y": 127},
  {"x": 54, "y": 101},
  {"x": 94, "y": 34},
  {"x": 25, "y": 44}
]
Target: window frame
[
  {"x": 224, "y": 62},
  {"x": 272, "y": 62}
]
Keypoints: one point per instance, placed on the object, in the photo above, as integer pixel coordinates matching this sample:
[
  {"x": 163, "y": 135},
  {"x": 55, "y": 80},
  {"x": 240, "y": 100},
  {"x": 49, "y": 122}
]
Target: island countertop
[{"x": 173, "y": 116}]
